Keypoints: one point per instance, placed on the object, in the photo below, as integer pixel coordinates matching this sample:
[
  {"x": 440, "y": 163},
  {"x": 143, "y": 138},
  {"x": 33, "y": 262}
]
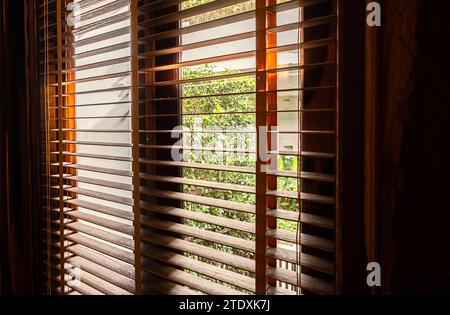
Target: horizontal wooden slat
[
  {"x": 97, "y": 169},
  {"x": 86, "y": 3},
  {"x": 202, "y": 251},
  {"x": 52, "y": 3},
  {"x": 101, "y": 221},
  {"x": 86, "y": 54},
  {"x": 200, "y": 183},
  {"x": 214, "y": 237},
  {"x": 198, "y": 216},
  {"x": 214, "y": 77},
  {"x": 306, "y": 239},
  {"x": 128, "y": 215},
  {"x": 215, "y": 59},
  {"x": 96, "y": 91},
  {"x": 302, "y": 45},
  {"x": 101, "y": 37},
  {"x": 309, "y": 283},
  {"x": 107, "y": 275},
  {"x": 153, "y": 283},
  {"x": 95, "y": 78},
  {"x": 92, "y": 130},
  {"x": 310, "y": 261},
  {"x": 199, "y": 113},
  {"x": 115, "y": 265},
  {"x": 305, "y": 218},
  {"x": 98, "y": 283},
  {"x": 56, "y": 199},
  {"x": 85, "y": 289},
  {"x": 188, "y": 279},
  {"x": 113, "y": 19},
  {"x": 292, "y": 4},
  {"x": 96, "y": 156},
  {"x": 96, "y": 65},
  {"x": 104, "y": 9},
  {"x": 58, "y": 221},
  {"x": 318, "y": 132},
  {"x": 303, "y": 196},
  {"x": 200, "y": 44},
  {"x": 311, "y": 154},
  {"x": 318, "y": 177},
  {"x": 204, "y": 166},
  {"x": 206, "y": 269},
  {"x": 100, "y": 234},
  {"x": 64, "y": 187},
  {"x": 47, "y": 4},
  {"x": 95, "y": 117},
  {"x": 157, "y": 5},
  {"x": 303, "y": 175},
  {"x": 109, "y": 250},
  {"x": 83, "y": 5},
  {"x": 77, "y": 105},
  {"x": 199, "y": 131},
  {"x": 190, "y": 97},
  {"x": 302, "y": 24},
  {"x": 101, "y": 195},
  {"x": 212, "y": 202},
  {"x": 99, "y": 182},
  {"x": 280, "y": 291}
]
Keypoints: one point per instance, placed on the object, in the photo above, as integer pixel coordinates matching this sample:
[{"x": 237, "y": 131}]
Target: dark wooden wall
[
  {"x": 19, "y": 149},
  {"x": 414, "y": 130},
  {"x": 350, "y": 252}
]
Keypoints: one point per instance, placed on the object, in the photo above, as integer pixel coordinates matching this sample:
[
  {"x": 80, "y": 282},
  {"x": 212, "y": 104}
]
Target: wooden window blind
[
  {"x": 190, "y": 147},
  {"x": 86, "y": 70}
]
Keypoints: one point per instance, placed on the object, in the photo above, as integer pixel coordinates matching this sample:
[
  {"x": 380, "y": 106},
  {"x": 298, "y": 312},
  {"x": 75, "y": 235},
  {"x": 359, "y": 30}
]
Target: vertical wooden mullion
[
  {"x": 135, "y": 142},
  {"x": 265, "y": 102},
  {"x": 60, "y": 144},
  {"x": 338, "y": 164},
  {"x": 261, "y": 178},
  {"x": 50, "y": 123},
  {"x": 70, "y": 111},
  {"x": 301, "y": 86},
  {"x": 272, "y": 122}
]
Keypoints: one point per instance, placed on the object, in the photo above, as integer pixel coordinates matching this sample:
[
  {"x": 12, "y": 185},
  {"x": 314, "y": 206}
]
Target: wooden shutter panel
[
  {"x": 176, "y": 193},
  {"x": 312, "y": 246},
  {"x": 85, "y": 75},
  {"x": 171, "y": 242}
]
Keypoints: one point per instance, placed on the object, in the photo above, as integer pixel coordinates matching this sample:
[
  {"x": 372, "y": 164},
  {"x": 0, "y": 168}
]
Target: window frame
[{"x": 137, "y": 168}]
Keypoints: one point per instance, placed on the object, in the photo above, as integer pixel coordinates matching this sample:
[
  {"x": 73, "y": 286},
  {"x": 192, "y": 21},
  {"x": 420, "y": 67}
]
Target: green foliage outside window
[{"x": 216, "y": 105}]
